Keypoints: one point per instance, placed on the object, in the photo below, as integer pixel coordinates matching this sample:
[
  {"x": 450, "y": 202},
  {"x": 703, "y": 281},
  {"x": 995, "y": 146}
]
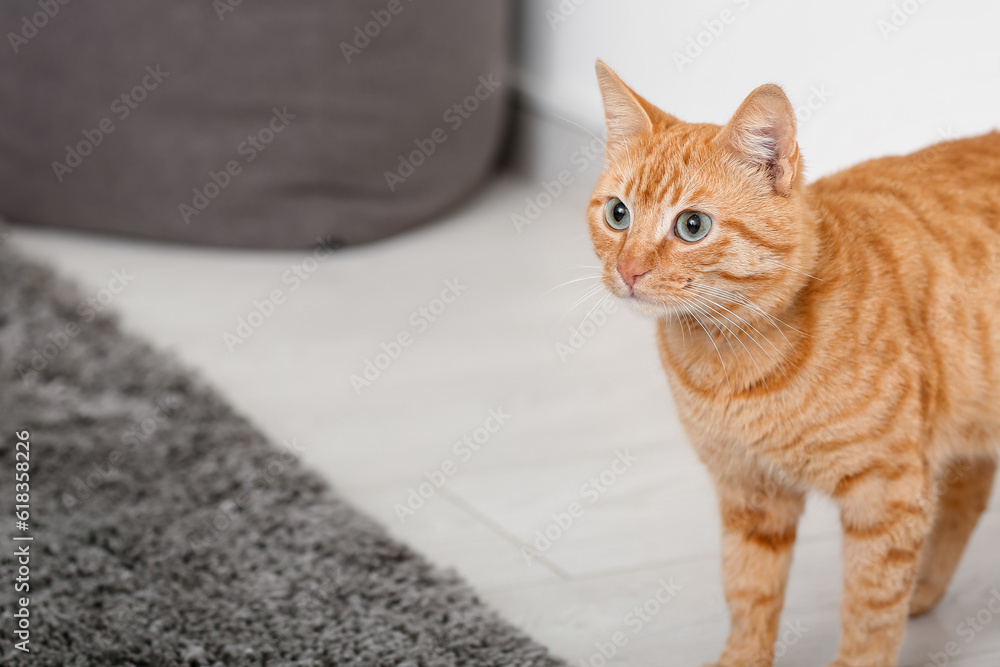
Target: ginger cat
[{"x": 842, "y": 337}]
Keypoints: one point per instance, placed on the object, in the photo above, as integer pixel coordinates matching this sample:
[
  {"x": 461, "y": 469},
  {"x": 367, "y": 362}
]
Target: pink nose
[{"x": 631, "y": 269}]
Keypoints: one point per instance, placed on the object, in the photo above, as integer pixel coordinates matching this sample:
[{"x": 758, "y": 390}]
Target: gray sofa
[{"x": 249, "y": 124}]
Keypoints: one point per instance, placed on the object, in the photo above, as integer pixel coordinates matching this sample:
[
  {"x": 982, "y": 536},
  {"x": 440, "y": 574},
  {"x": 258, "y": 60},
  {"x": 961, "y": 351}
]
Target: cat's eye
[
  {"x": 617, "y": 214},
  {"x": 693, "y": 225}
]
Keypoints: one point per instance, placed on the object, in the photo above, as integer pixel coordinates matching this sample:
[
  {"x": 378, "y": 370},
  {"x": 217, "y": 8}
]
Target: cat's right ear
[
  {"x": 762, "y": 133},
  {"x": 624, "y": 110}
]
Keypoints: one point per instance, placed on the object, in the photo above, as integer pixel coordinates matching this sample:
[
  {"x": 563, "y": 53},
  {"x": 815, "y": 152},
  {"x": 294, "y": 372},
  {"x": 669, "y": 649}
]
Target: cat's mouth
[
  {"x": 648, "y": 300},
  {"x": 654, "y": 306}
]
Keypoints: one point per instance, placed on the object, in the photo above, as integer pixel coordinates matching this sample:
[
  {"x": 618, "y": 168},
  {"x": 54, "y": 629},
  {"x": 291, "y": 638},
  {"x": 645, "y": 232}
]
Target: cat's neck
[{"x": 732, "y": 349}]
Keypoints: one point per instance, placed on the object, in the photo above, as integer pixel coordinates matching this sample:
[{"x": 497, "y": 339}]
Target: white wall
[{"x": 888, "y": 93}]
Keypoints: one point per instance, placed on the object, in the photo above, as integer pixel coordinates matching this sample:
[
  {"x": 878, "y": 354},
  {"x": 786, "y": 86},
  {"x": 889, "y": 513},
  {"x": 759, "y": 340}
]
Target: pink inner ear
[
  {"x": 778, "y": 154},
  {"x": 762, "y": 131}
]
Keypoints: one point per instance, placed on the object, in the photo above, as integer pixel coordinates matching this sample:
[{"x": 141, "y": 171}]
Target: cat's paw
[{"x": 925, "y": 596}]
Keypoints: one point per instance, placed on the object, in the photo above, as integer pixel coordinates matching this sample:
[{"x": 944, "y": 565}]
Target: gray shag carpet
[{"x": 168, "y": 531}]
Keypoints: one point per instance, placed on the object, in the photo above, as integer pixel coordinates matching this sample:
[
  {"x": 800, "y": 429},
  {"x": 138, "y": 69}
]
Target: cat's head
[{"x": 690, "y": 215}]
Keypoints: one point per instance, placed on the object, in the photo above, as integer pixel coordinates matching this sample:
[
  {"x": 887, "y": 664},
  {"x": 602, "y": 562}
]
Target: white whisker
[
  {"x": 717, "y": 351},
  {"x": 785, "y": 266},
  {"x": 589, "y": 294},
  {"x": 569, "y": 282},
  {"x": 749, "y": 324},
  {"x": 738, "y": 339},
  {"x": 593, "y": 308},
  {"x": 743, "y": 300},
  {"x": 572, "y": 122}
]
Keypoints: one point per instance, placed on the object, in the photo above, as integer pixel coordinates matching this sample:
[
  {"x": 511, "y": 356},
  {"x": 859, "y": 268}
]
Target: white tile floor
[{"x": 495, "y": 348}]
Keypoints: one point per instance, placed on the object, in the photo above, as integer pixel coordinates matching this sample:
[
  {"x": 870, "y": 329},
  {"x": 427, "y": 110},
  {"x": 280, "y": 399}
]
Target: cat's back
[
  {"x": 953, "y": 170},
  {"x": 956, "y": 156},
  {"x": 941, "y": 203},
  {"x": 912, "y": 243}
]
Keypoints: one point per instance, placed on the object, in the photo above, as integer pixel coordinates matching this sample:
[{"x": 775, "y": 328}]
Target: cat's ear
[
  {"x": 762, "y": 133},
  {"x": 626, "y": 113}
]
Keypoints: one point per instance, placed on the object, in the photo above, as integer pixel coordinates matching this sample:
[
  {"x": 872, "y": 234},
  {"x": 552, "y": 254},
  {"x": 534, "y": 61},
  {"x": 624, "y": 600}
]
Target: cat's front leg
[
  {"x": 758, "y": 533},
  {"x": 886, "y": 513}
]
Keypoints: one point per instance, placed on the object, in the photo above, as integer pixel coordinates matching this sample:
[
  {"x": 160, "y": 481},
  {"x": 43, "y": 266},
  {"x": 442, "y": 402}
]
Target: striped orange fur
[{"x": 840, "y": 337}]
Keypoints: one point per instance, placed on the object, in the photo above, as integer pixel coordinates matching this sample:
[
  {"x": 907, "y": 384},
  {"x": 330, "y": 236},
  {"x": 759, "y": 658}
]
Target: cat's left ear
[
  {"x": 627, "y": 113},
  {"x": 762, "y": 132},
  {"x": 623, "y": 112}
]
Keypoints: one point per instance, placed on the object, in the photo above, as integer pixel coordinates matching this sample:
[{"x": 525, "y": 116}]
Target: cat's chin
[{"x": 649, "y": 308}]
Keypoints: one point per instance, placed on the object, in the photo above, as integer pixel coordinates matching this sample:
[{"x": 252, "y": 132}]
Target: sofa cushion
[{"x": 247, "y": 124}]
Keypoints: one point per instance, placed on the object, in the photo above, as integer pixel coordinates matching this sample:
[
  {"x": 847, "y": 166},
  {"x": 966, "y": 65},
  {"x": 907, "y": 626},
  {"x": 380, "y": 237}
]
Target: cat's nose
[{"x": 631, "y": 269}]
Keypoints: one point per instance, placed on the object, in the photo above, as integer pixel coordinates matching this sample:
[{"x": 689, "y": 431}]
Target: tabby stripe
[
  {"x": 765, "y": 277},
  {"x": 755, "y": 597},
  {"x": 886, "y": 426},
  {"x": 848, "y": 413},
  {"x": 897, "y": 512},
  {"x": 884, "y": 469},
  {"x": 938, "y": 236},
  {"x": 700, "y": 194},
  {"x": 985, "y": 348},
  {"x": 901, "y": 595},
  {"x": 930, "y": 348},
  {"x": 771, "y": 541},
  {"x": 897, "y": 556},
  {"x": 756, "y": 238}
]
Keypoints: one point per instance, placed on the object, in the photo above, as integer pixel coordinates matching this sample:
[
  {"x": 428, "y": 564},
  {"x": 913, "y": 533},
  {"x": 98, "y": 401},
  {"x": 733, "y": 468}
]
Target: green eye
[
  {"x": 617, "y": 215},
  {"x": 693, "y": 226}
]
